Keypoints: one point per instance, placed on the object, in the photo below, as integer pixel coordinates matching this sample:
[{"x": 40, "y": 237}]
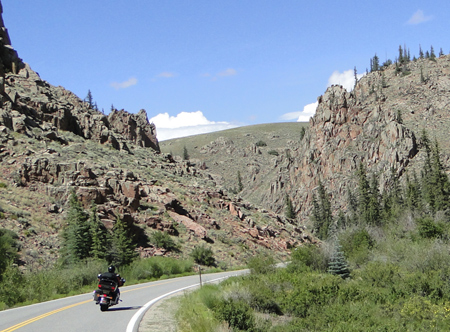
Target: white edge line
[{"x": 133, "y": 324}]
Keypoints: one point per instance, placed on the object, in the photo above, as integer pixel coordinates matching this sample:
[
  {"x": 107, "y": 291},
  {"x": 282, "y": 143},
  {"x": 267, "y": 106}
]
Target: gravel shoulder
[{"x": 161, "y": 316}]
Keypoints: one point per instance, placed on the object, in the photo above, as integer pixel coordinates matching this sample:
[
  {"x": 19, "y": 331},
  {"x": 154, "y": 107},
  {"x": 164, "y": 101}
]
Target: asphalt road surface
[{"x": 80, "y": 313}]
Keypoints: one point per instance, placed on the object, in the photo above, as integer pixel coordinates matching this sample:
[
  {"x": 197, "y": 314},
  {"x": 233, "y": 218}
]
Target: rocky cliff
[
  {"x": 53, "y": 143},
  {"x": 378, "y": 124}
]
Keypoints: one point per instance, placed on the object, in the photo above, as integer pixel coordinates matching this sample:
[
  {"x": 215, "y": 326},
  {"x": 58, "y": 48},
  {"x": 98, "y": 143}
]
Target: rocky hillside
[
  {"x": 53, "y": 143},
  {"x": 378, "y": 124}
]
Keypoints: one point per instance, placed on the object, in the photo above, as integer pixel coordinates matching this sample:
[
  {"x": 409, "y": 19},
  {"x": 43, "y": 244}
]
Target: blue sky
[{"x": 208, "y": 65}]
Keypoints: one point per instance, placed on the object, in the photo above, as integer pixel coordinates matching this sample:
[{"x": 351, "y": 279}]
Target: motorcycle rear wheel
[{"x": 103, "y": 307}]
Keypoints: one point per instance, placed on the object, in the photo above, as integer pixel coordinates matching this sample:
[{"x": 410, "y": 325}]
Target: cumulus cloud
[
  {"x": 419, "y": 17},
  {"x": 185, "y": 124},
  {"x": 301, "y": 116},
  {"x": 308, "y": 111},
  {"x": 346, "y": 79},
  {"x": 123, "y": 85}
]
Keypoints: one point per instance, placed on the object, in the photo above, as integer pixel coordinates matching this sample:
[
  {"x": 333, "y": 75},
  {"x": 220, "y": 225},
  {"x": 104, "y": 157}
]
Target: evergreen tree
[
  {"x": 355, "y": 74},
  {"x": 122, "y": 247},
  {"x": 100, "y": 238},
  {"x": 420, "y": 52},
  {"x": 441, "y": 52},
  {"x": 185, "y": 153},
  {"x": 375, "y": 64},
  {"x": 432, "y": 55},
  {"x": 322, "y": 215},
  {"x": 89, "y": 99},
  {"x": 439, "y": 180},
  {"x": 8, "y": 249},
  {"x": 290, "y": 213},
  {"x": 239, "y": 179},
  {"x": 412, "y": 193},
  {"x": 400, "y": 54},
  {"x": 76, "y": 237},
  {"x": 338, "y": 264}
]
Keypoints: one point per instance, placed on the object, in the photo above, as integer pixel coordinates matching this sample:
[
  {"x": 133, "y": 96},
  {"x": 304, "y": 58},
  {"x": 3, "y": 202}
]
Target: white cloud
[
  {"x": 419, "y": 17},
  {"x": 123, "y": 85},
  {"x": 185, "y": 124},
  {"x": 346, "y": 79},
  {"x": 308, "y": 111}
]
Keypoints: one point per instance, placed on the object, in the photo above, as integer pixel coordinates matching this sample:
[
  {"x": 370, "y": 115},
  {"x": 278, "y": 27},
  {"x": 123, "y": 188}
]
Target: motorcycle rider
[{"x": 112, "y": 275}]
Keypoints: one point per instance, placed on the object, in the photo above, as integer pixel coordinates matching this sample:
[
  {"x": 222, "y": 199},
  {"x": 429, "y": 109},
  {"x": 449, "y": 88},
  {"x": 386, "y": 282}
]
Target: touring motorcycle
[{"x": 107, "y": 293}]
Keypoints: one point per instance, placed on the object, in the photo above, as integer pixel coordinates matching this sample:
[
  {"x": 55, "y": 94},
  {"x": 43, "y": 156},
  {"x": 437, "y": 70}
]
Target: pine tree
[
  {"x": 432, "y": 55},
  {"x": 290, "y": 213},
  {"x": 355, "y": 74},
  {"x": 338, "y": 264},
  {"x": 89, "y": 99},
  {"x": 239, "y": 179},
  {"x": 322, "y": 214},
  {"x": 76, "y": 237},
  {"x": 412, "y": 193},
  {"x": 185, "y": 154},
  {"x": 122, "y": 248},
  {"x": 100, "y": 238},
  {"x": 420, "y": 52}
]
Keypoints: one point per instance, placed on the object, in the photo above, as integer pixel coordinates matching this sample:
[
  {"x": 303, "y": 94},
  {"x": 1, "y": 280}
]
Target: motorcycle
[{"x": 107, "y": 293}]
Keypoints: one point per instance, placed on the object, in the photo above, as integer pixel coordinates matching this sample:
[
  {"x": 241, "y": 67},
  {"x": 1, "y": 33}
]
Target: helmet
[{"x": 111, "y": 269}]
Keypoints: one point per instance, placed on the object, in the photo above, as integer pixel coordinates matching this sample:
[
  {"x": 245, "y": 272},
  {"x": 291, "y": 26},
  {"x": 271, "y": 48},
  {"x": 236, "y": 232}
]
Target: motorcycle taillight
[
  {"x": 99, "y": 286},
  {"x": 113, "y": 288}
]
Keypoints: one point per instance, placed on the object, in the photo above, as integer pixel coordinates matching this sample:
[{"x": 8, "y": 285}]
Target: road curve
[{"x": 79, "y": 313}]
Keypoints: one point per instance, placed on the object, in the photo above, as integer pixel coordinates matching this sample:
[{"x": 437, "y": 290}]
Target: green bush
[
  {"x": 261, "y": 143},
  {"x": 308, "y": 257},
  {"x": 273, "y": 152},
  {"x": 237, "y": 314},
  {"x": 163, "y": 240},
  {"x": 429, "y": 229},
  {"x": 356, "y": 245},
  {"x": 261, "y": 264},
  {"x": 203, "y": 255}
]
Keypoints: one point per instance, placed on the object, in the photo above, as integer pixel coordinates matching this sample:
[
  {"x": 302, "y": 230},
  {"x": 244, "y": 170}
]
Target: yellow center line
[{"x": 31, "y": 320}]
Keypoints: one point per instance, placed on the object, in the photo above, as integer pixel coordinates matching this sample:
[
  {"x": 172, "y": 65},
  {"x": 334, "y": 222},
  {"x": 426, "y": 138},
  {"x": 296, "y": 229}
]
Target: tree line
[{"x": 423, "y": 195}]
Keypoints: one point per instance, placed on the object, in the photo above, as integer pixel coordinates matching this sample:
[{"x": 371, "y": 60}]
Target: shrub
[
  {"x": 261, "y": 143},
  {"x": 163, "y": 240},
  {"x": 203, "y": 256},
  {"x": 273, "y": 152},
  {"x": 261, "y": 264},
  {"x": 308, "y": 257},
  {"x": 357, "y": 245},
  {"x": 237, "y": 314},
  {"x": 428, "y": 229}
]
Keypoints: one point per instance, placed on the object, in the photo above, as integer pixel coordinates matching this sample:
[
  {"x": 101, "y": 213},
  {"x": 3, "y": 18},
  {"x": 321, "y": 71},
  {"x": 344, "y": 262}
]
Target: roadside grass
[{"x": 19, "y": 289}]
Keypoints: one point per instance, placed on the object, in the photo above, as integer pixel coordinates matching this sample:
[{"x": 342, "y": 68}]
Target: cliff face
[
  {"x": 378, "y": 124},
  {"x": 53, "y": 143},
  {"x": 31, "y": 106}
]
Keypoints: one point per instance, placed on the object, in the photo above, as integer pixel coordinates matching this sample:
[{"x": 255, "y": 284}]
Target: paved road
[{"x": 79, "y": 313}]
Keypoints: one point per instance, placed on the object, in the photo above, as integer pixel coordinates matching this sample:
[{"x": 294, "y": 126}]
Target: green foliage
[
  {"x": 101, "y": 241},
  {"x": 239, "y": 179},
  {"x": 338, "y": 264},
  {"x": 273, "y": 152},
  {"x": 302, "y": 133},
  {"x": 263, "y": 263},
  {"x": 322, "y": 216},
  {"x": 8, "y": 249},
  {"x": 122, "y": 246},
  {"x": 356, "y": 245},
  {"x": 185, "y": 153},
  {"x": 237, "y": 314},
  {"x": 163, "y": 240},
  {"x": 77, "y": 238},
  {"x": 203, "y": 255},
  {"x": 261, "y": 143},
  {"x": 290, "y": 213},
  {"x": 308, "y": 257},
  {"x": 429, "y": 229}
]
